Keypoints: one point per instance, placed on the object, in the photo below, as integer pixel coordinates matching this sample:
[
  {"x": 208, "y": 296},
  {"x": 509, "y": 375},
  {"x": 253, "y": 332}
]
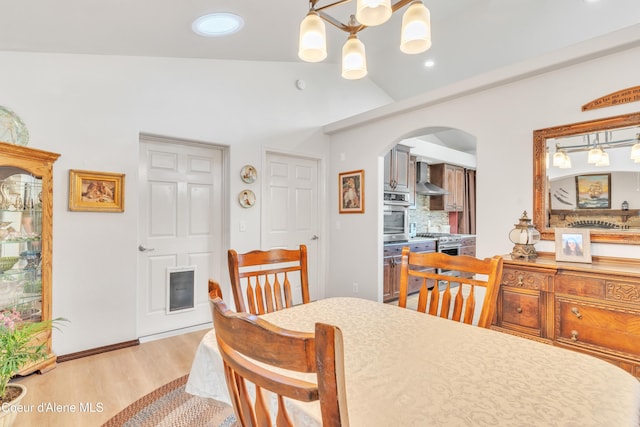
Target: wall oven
[{"x": 396, "y": 223}]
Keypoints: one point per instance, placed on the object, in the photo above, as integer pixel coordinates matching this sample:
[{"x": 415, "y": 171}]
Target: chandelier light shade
[
  {"x": 354, "y": 59},
  {"x": 415, "y": 33},
  {"x": 312, "y": 46},
  {"x": 604, "y": 159},
  {"x": 557, "y": 158},
  {"x": 373, "y": 12},
  {"x": 416, "y": 29},
  {"x": 635, "y": 150},
  {"x": 566, "y": 161},
  {"x": 594, "y": 155}
]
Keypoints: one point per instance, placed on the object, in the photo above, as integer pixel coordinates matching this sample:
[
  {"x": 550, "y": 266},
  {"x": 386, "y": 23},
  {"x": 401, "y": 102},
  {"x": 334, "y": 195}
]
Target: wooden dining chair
[
  {"x": 423, "y": 267},
  {"x": 263, "y": 278},
  {"x": 244, "y": 338},
  {"x": 214, "y": 289}
]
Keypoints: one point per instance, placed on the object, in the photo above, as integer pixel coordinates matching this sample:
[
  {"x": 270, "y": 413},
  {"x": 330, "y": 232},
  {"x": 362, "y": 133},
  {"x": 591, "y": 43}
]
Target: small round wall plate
[
  {"x": 247, "y": 198},
  {"x": 12, "y": 129},
  {"x": 248, "y": 174}
]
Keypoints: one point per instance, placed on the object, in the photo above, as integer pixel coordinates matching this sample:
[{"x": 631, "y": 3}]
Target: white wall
[
  {"x": 91, "y": 109},
  {"x": 501, "y": 109}
]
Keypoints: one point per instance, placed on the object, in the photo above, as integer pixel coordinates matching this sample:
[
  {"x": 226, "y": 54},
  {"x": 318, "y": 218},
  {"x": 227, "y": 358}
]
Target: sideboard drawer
[
  {"x": 580, "y": 285},
  {"x": 521, "y": 278},
  {"x": 591, "y": 324},
  {"x": 521, "y": 309}
]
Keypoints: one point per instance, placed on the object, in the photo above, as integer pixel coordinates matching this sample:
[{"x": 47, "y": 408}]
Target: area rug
[{"x": 171, "y": 406}]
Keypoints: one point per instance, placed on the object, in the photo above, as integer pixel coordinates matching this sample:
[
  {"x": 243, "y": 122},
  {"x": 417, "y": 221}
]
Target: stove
[
  {"x": 448, "y": 244},
  {"x": 444, "y": 241}
]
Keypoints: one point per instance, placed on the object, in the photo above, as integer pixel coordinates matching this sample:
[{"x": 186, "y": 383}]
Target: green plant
[{"x": 18, "y": 345}]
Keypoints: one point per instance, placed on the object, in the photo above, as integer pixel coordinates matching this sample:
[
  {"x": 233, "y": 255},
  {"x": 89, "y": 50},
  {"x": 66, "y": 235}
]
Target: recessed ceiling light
[
  {"x": 217, "y": 24},
  {"x": 429, "y": 63}
]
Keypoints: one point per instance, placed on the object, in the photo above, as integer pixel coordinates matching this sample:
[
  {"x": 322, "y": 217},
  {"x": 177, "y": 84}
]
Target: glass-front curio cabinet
[{"x": 26, "y": 205}]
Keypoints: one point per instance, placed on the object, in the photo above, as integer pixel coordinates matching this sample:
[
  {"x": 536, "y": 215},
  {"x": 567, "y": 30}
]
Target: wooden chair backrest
[
  {"x": 423, "y": 267},
  {"x": 214, "y": 290},
  {"x": 265, "y": 285},
  {"x": 244, "y": 338}
]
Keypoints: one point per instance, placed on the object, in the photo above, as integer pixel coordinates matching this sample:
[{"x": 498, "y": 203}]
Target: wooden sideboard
[{"x": 592, "y": 308}]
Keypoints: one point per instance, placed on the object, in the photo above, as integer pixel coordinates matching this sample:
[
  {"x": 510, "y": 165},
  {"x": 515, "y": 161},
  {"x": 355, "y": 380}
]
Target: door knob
[
  {"x": 143, "y": 249},
  {"x": 315, "y": 237}
]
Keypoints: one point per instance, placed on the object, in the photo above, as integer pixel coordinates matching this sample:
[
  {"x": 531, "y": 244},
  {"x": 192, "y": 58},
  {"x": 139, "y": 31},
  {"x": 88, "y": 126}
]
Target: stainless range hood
[{"x": 423, "y": 186}]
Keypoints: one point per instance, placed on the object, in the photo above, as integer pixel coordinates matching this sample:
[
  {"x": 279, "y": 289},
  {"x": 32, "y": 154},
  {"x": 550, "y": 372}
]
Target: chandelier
[
  {"x": 415, "y": 34},
  {"x": 595, "y": 150}
]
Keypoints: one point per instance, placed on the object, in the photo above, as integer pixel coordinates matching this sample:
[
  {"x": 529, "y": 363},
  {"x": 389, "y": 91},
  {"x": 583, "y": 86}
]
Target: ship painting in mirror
[{"x": 587, "y": 175}]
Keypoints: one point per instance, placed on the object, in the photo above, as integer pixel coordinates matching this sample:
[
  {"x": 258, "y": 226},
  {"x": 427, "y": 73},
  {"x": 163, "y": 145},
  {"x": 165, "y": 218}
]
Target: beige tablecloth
[{"x": 405, "y": 368}]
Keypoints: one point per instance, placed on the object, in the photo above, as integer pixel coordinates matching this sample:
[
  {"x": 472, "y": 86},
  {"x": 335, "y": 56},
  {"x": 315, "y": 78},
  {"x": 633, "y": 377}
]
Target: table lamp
[{"x": 524, "y": 236}]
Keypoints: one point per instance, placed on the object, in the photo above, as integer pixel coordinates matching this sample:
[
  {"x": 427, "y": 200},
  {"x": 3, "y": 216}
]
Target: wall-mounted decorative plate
[
  {"x": 12, "y": 128},
  {"x": 247, "y": 198},
  {"x": 248, "y": 174}
]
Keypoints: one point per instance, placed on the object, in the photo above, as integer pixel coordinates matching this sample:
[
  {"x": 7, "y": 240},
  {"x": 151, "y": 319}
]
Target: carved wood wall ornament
[{"x": 623, "y": 96}]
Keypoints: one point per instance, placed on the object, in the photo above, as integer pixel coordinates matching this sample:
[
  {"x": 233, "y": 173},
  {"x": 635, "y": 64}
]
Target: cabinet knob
[
  {"x": 574, "y": 335},
  {"x": 575, "y": 311},
  {"x": 520, "y": 280},
  {"x": 519, "y": 309}
]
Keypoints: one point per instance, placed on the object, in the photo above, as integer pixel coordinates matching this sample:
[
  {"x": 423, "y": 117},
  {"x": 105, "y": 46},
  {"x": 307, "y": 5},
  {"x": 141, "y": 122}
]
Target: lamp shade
[
  {"x": 566, "y": 163},
  {"x": 635, "y": 151},
  {"x": 558, "y": 158},
  {"x": 594, "y": 155},
  {"x": 604, "y": 159},
  {"x": 312, "y": 46},
  {"x": 354, "y": 60},
  {"x": 373, "y": 12},
  {"x": 416, "y": 29}
]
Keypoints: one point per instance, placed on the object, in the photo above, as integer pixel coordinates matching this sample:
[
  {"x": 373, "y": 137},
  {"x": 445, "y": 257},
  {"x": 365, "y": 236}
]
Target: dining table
[{"x": 406, "y": 368}]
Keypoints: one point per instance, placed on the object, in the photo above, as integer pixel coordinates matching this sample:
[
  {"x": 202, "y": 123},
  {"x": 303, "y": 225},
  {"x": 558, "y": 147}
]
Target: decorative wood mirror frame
[{"x": 540, "y": 201}]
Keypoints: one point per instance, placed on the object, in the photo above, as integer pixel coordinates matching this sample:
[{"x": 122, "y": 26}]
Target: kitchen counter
[{"x": 411, "y": 240}]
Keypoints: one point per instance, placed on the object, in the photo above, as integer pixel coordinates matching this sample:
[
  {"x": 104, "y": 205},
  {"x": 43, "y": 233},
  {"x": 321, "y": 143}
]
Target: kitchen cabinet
[
  {"x": 468, "y": 247},
  {"x": 451, "y": 178},
  {"x": 26, "y": 205},
  {"x": 397, "y": 169},
  {"x": 392, "y": 263},
  {"x": 412, "y": 182},
  {"x": 592, "y": 308}
]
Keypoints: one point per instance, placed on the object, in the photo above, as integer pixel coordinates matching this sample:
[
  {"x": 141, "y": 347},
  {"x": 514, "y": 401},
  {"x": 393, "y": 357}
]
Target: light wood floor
[{"x": 109, "y": 381}]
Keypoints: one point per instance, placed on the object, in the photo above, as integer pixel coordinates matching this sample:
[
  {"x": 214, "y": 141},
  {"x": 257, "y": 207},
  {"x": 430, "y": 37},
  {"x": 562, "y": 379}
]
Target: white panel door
[
  {"x": 180, "y": 225},
  {"x": 291, "y": 210}
]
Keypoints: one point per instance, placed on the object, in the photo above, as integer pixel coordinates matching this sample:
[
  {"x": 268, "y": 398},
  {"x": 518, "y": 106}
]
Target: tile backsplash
[{"x": 423, "y": 217}]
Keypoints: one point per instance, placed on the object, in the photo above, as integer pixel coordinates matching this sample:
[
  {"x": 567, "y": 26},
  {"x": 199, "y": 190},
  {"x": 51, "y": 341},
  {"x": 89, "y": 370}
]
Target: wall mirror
[{"x": 587, "y": 175}]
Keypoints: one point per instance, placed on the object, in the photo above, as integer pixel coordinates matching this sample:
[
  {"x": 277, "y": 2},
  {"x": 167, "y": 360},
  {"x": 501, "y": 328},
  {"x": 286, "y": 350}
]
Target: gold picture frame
[
  {"x": 96, "y": 191},
  {"x": 351, "y": 191},
  {"x": 573, "y": 245},
  {"x": 593, "y": 191}
]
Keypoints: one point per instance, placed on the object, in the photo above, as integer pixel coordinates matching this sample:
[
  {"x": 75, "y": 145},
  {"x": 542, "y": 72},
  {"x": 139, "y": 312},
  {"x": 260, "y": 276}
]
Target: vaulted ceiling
[{"x": 469, "y": 36}]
